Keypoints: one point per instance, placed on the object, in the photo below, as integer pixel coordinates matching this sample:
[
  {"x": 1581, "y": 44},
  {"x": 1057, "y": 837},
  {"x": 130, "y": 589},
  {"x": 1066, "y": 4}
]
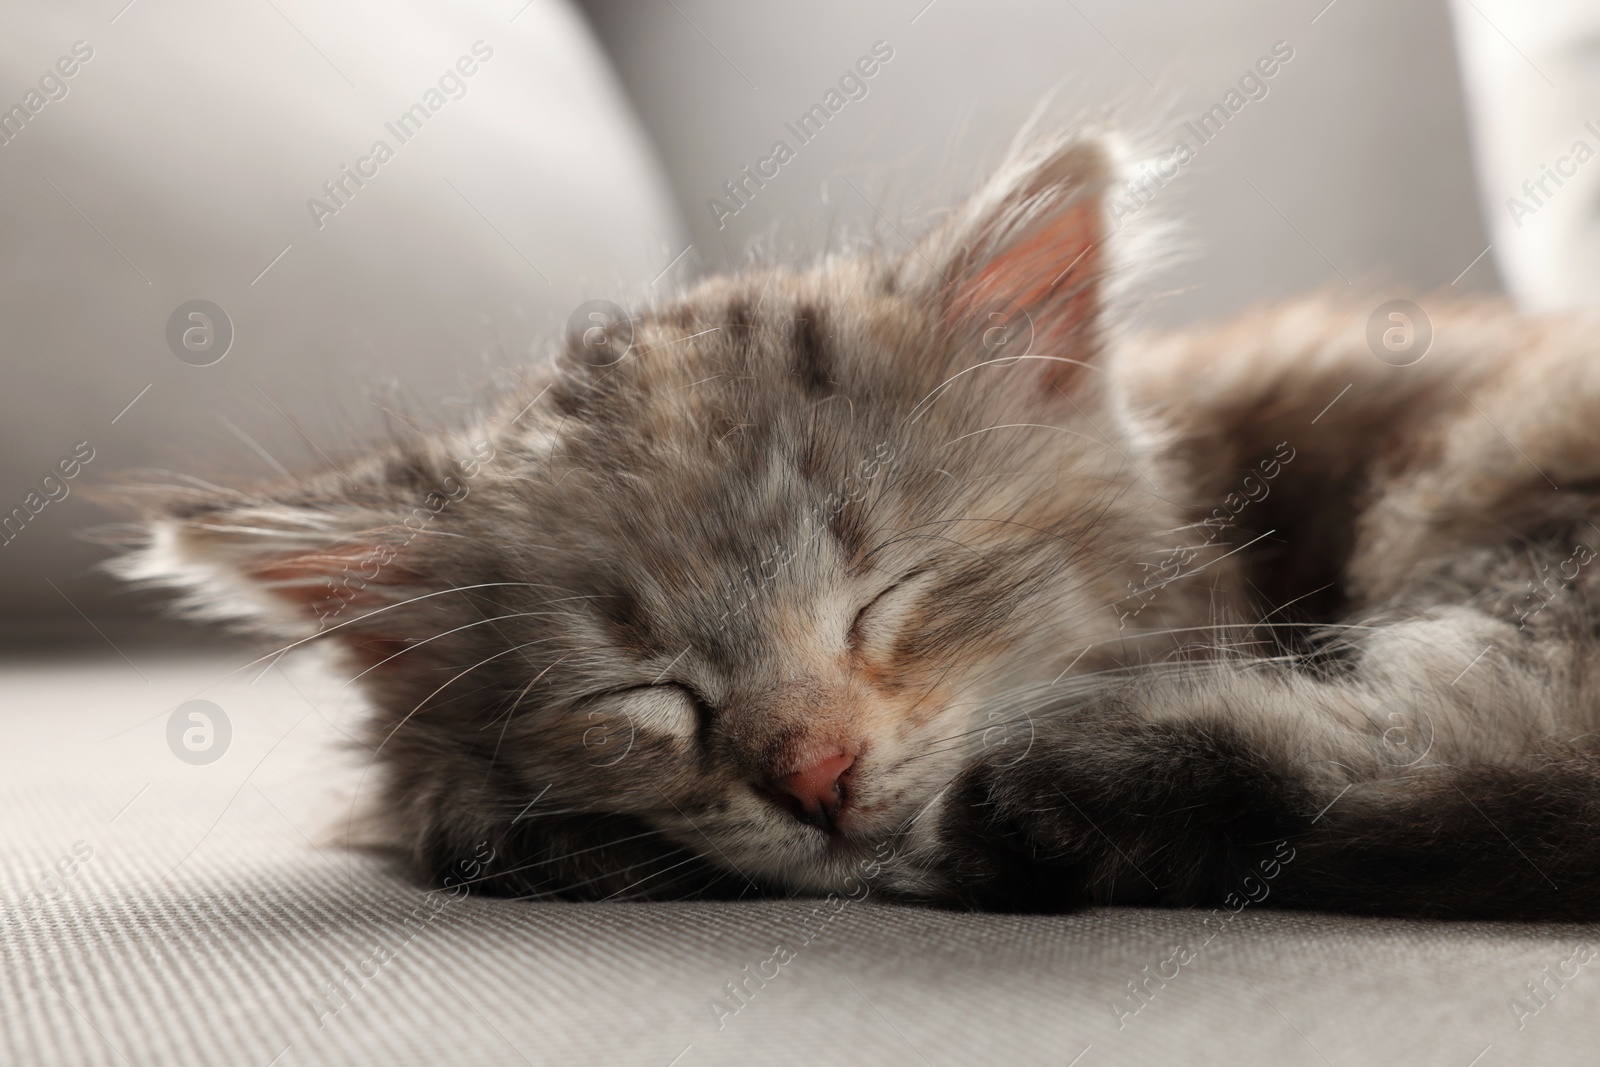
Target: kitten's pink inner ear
[
  {"x": 324, "y": 582},
  {"x": 340, "y": 590},
  {"x": 1050, "y": 273}
]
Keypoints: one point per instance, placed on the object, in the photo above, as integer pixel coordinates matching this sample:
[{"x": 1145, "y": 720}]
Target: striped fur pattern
[{"x": 1104, "y": 617}]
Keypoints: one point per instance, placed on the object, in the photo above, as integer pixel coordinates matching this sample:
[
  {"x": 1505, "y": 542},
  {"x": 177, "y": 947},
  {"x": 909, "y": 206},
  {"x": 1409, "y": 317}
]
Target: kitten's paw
[{"x": 1120, "y": 812}]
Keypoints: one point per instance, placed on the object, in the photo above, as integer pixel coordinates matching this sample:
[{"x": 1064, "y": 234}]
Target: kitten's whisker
[
  {"x": 418, "y": 707},
  {"x": 566, "y": 887},
  {"x": 1029, "y": 702},
  {"x": 1106, "y": 437},
  {"x": 910, "y": 535},
  {"x": 548, "y": 860},
  {"x": 1052, "y": 700},
  {"x": 447, "y": 633},
  {"x": 372, "y": 760},
  {"x": 693, "y": 857},
  {"x": 1022, "y": 426},
  {"x": 905, "y": 827},
  {"x": 983, "y": 519},
  {"x": 916, "y": 413},
  {"x": 378, "y": 611}
]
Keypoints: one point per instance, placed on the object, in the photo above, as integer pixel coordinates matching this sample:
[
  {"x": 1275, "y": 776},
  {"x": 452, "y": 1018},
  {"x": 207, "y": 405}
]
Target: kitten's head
[{"x": 731, "y": 602}]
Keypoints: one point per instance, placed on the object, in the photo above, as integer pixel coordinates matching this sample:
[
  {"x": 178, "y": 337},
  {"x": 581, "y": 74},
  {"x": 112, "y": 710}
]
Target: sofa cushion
[{"x": 386, "y": 219}]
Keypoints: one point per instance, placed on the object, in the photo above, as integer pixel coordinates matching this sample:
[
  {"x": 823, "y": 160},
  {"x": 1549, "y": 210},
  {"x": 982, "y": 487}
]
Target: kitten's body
[
  {"x": 818, "y": 581},
  {"x": 1432, "y": 749}
]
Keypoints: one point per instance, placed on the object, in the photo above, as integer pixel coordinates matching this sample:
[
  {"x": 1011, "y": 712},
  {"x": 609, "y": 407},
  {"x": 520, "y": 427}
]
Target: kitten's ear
[
  {"x": 1023, "y": 264},
  {"x": 293, "y": 560}
]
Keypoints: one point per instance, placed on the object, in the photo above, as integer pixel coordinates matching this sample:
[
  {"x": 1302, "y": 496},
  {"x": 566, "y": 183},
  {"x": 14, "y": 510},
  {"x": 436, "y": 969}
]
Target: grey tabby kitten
[{"x": 923, "y": 572}]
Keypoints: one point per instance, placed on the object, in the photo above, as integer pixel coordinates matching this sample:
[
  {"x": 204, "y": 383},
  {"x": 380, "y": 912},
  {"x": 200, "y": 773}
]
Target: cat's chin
[
  {"x": 842, "y": 864},
  {"x": 847, "y": 862}
]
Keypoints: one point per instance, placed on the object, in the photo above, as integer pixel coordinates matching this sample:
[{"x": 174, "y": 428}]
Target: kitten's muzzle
[{"x": 817, "y": 794}]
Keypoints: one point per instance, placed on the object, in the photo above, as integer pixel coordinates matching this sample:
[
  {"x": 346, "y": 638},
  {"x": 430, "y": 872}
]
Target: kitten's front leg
[
  {"x": 1266, "y": 785},
  {"x": 1109, "y": 807}
]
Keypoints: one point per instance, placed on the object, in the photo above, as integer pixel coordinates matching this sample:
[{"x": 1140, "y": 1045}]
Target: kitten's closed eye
[
  {"x": 877, "y": 623},
  {"x": 669, "y": 708}
]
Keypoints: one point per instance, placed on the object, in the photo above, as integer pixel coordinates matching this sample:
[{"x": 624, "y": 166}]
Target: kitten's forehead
[
  {"x": 735, "y": 404},
  {"x": 713, "y": 482},
  {"x": 739, "y": 562},
  {"x": 733, "y": 355}
]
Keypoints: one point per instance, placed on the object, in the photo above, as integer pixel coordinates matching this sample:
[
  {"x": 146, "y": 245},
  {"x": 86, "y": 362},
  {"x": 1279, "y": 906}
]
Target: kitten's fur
[{"x": 829, "y": 509}]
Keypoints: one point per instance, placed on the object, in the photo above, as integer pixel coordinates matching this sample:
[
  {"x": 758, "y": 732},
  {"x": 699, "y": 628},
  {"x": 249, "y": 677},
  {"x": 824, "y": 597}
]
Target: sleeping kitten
[{"x": 923, "y": 573}]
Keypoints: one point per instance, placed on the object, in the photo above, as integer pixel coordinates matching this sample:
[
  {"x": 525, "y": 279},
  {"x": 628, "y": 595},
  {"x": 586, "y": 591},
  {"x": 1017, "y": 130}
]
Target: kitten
[{"x": 924, "y": 574}]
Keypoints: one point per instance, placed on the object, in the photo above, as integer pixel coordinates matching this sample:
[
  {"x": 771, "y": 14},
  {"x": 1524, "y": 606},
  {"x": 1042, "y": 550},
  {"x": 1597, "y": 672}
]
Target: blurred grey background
[
  {"x": 1358, "y": 154},
  {"x": 180, "y": 163}
]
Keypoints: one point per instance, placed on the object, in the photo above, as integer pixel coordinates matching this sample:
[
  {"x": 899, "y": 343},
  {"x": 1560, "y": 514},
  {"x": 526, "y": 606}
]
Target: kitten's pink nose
[{"x": 816, "y": 794}]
